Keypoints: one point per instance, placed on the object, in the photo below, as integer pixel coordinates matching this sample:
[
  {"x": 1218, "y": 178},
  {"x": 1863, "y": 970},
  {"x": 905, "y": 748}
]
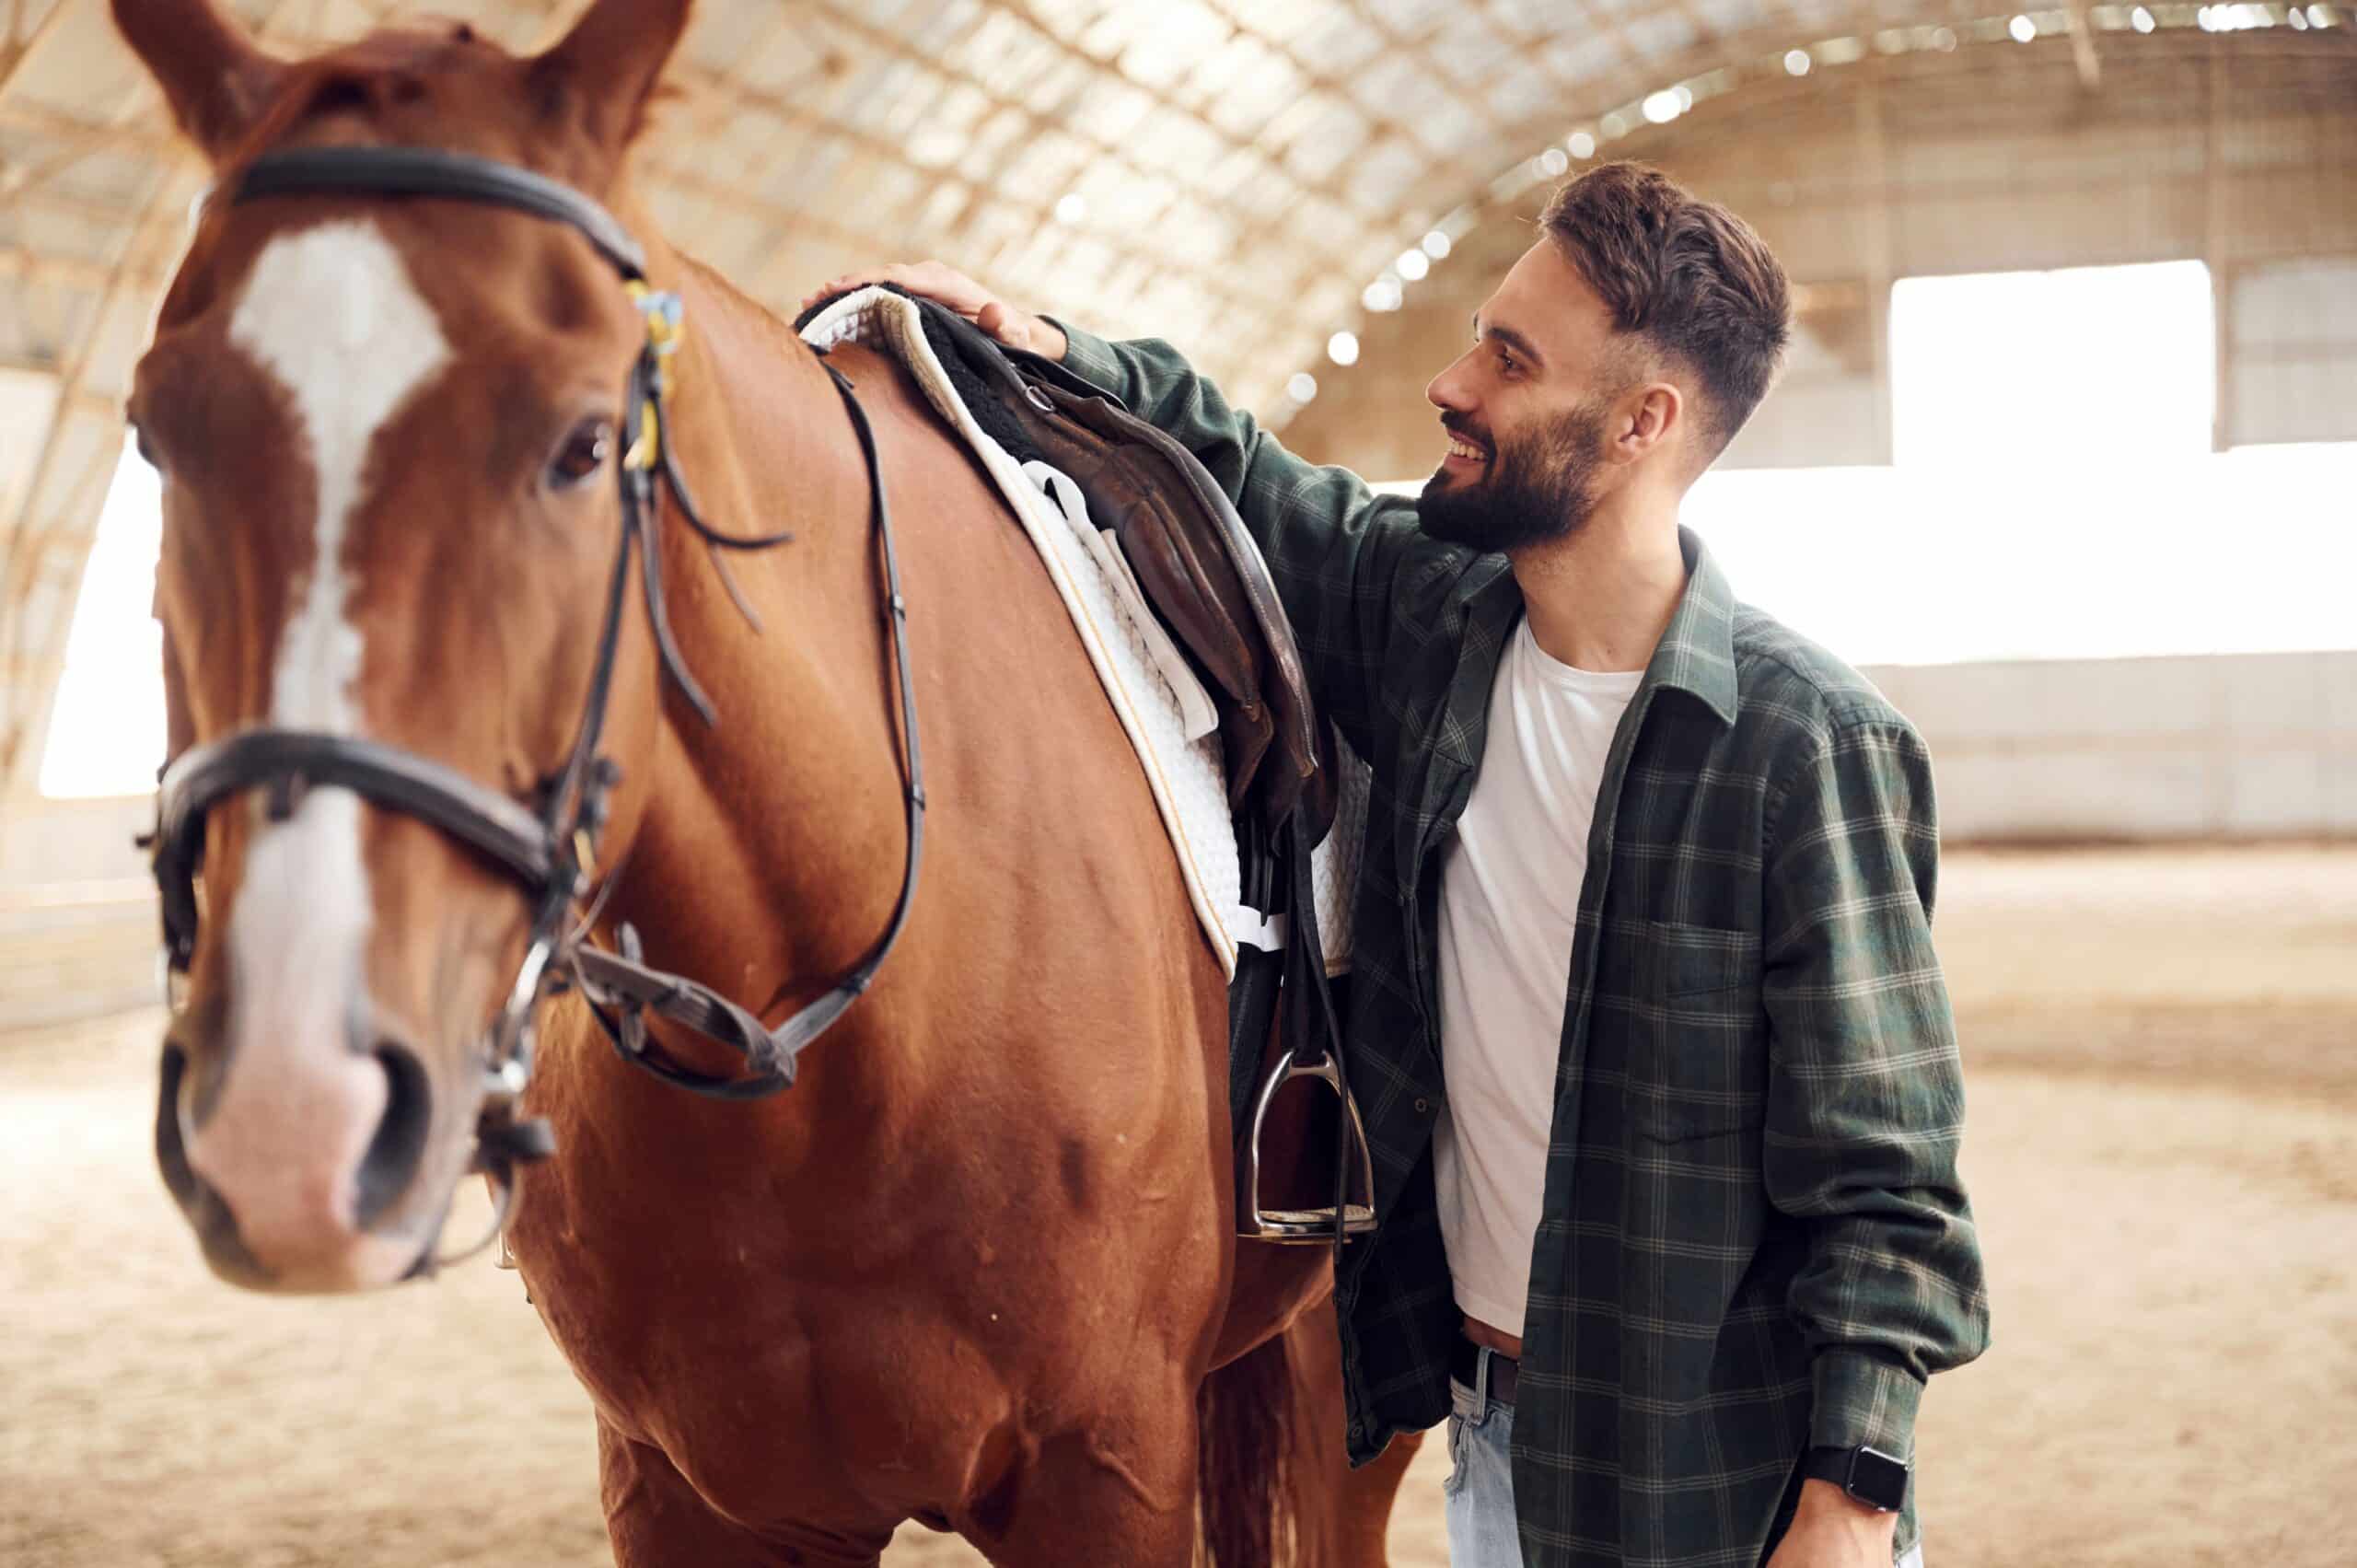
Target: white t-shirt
[{"x": 1509, "y": 895}]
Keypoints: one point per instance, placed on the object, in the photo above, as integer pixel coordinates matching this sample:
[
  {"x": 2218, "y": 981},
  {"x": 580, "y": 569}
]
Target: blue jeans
[{"x": 1480, "y": 1488}]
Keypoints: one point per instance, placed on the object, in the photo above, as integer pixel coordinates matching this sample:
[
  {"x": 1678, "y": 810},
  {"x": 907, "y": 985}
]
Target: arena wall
[{"x": 2251, "y": 747}]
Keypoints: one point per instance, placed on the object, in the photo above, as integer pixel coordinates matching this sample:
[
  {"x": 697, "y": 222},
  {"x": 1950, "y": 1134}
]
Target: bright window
[
  {"x": 2053, "y": 493},
  {"x": 2037, "y": 374},
  {"x": 106, "y": 736}
]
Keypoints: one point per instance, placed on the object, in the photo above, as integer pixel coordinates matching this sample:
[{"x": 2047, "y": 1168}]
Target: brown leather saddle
[
  {"x": 1199, "y": 569},
  {"x": 1202, "y": 575}
]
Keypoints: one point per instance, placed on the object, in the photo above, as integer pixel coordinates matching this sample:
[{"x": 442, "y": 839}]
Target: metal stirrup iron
[{"x": 1308, "y": 1009}]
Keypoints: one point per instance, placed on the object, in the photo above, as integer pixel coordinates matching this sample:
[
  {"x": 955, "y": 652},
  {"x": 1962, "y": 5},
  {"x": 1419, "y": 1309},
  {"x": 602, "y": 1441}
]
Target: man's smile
[{"x": 1465, "y": 452}]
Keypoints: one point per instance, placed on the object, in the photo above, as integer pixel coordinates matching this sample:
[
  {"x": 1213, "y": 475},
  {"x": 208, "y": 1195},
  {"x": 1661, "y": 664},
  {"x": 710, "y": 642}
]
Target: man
[{"x": 1652, "y": 1046}]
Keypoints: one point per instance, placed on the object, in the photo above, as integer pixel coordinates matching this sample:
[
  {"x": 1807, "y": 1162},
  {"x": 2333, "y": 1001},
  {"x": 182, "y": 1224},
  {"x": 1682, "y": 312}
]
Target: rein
[{"x": 546, "y": 846}]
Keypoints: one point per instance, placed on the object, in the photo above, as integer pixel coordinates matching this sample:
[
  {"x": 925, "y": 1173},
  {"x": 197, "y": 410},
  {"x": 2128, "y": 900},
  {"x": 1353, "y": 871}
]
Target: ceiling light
[
  {"x": 1552, "y": 162},
  {"x": 1943, "y": 38},
  {"x": 2023, "y": 29},
  {"x": 1685, "y": 96},
  {"x": 1071, "y": 207},
  {"x": 2297, "y": 17},
  {"x": 1302, "y": 388},
  {"x": 1661, "y": 108},
  {"x": 1796, "y": 62},
  {"x": 1436, "y": 246},
  {"x": 1582, "y": 145},
  {"x": 1412, "y": 265},
  {"x": 1342, "y": 348},
  {"x": 1381, "y": 295},
  {"x": 1615, "y": 126},
  {"x": 2318, "y": 16},
  {"x": 2141, "y": 19}
]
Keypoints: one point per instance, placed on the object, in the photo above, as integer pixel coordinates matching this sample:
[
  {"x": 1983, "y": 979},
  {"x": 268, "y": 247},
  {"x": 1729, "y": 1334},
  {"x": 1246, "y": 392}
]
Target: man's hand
[
  {"x": 1010, "y": 324},
  {"x": 1831, "y": 1530}
]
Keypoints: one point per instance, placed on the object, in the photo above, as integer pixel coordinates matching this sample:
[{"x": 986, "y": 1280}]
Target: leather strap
[
  {"x": 1872, "y": 1477},
  {"x": 620, "y": 986},
  {"x": 1464, "y": 1362},
  {"x": 430, "y": 171},
  {"x": 503, "y": 831}
]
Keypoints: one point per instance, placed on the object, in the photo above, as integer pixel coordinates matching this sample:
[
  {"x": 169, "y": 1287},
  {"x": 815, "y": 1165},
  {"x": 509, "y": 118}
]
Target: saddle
[
  {"x": 1196, "y": 566},
  {"x": 1202, "y": 575}
]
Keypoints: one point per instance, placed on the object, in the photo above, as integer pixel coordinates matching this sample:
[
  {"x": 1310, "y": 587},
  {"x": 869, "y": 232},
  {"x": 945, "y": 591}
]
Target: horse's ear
[
  {"x": 604, "y": 71},
  {"x": 217, "y": 81}
]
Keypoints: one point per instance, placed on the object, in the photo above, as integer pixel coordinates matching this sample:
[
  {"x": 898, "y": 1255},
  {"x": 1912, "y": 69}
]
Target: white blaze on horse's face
[{"x": 331, "y": 314}]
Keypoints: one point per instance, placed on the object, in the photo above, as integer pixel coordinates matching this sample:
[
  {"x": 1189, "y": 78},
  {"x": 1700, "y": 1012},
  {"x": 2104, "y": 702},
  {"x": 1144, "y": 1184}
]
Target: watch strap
[{"x": 1873, "y": 1478}]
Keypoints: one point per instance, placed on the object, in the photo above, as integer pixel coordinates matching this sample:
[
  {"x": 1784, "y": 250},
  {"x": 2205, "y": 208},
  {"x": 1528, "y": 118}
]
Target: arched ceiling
[{"x": 1229, "y": 173}]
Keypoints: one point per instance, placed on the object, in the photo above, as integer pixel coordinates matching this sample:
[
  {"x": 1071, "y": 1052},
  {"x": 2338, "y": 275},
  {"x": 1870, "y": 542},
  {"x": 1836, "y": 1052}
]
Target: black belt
[{"x": 1465, "y": 1361}]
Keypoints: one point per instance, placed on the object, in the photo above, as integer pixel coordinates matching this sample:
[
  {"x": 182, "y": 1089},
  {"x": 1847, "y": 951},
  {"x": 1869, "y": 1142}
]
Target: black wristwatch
[{"x": 1873, "y": 1478}]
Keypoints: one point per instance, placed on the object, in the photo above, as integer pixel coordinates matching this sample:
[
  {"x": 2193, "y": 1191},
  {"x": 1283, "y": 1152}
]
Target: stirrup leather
[{"x": 1321, "y": 1226}]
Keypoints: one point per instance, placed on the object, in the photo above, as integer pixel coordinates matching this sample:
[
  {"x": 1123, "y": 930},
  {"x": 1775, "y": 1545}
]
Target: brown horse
[{"x": 977, "y": 1267}]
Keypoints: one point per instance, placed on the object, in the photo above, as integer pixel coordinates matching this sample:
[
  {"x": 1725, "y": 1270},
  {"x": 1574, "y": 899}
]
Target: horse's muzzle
[{"x": 325, "y": 1227}]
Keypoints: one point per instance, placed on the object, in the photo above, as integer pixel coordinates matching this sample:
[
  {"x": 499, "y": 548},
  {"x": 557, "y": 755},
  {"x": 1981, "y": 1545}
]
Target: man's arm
[
  {"x": 1865, "y": 1089},
  {"x": 1334, "y": 547}
]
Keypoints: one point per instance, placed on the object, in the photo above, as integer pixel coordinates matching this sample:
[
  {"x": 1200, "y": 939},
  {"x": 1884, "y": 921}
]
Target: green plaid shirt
[{"x": 1754, "y": 1239}]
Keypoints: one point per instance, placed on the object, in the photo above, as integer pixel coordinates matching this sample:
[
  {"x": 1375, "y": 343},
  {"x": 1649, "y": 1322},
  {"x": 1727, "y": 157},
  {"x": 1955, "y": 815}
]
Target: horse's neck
[{"x": 793, "y": 801}]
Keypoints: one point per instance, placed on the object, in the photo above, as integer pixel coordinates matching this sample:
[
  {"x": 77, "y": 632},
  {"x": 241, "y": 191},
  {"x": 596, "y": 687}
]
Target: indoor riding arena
[{"x": 2063, "y": 458}]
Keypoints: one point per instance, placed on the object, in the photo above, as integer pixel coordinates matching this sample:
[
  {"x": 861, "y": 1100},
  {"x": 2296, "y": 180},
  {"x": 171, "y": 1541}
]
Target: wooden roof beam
[
  {"x": 2082, "y": 45},
  {"x": 1245, "y": 218},
  {"x": 23, "y": 40},
  {"x": 1330, "y": 187}
]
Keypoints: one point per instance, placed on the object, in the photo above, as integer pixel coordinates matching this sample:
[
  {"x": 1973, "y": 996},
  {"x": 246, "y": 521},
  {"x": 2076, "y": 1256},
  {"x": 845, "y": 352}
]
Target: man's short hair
[{"x": 1688, "y": 277}]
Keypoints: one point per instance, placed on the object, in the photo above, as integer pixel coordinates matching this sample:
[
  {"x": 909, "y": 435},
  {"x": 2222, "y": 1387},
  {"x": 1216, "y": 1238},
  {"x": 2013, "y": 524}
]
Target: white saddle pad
[{"x": 1161, "y": 705}]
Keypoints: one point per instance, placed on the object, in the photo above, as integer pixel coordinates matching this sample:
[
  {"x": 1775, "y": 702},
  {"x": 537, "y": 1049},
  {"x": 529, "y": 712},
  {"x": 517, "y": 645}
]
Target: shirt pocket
[{"x": 1700, "y": 1066}]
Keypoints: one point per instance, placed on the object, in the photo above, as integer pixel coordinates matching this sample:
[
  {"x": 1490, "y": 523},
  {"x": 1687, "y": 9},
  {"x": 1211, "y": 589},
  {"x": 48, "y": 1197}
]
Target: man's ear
[
  {"x": 603, "y": 73},
  {"x": 217, "y": 83},
  {"x": 1645, "y": 418}
]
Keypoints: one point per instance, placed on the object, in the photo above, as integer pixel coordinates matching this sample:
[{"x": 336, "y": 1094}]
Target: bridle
[{"x": 546, "y": 845}]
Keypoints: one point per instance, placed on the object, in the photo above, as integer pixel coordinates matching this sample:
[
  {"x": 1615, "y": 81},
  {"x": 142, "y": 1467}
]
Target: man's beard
[{"x": 1537, "y": 488}]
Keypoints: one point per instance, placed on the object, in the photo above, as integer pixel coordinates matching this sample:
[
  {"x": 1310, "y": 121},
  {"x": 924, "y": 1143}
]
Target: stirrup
[{"x": 1309, "y": 1226}]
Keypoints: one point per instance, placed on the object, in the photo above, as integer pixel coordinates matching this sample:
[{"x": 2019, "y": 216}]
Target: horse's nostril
[
  {"x": 399, "y": 1146},
  {"x": 171, "y": 1152}
]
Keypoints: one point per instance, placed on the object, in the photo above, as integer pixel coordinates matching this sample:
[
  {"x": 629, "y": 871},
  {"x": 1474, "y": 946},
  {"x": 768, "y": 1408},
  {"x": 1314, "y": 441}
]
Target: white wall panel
[
  {"x": 2262, "y": 746},
  {"x": 2294, "y": 337}
]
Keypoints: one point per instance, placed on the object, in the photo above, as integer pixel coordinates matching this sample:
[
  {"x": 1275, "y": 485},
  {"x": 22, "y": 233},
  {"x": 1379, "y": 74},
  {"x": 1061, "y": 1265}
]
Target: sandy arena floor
[{"x": 2163, "y": 1147}]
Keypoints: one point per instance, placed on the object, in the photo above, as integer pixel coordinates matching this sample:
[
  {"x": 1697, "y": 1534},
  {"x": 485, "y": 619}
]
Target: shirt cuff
[
  {"x": 1088, "y": 356},
  {"x": 1863, "y": 1402}
]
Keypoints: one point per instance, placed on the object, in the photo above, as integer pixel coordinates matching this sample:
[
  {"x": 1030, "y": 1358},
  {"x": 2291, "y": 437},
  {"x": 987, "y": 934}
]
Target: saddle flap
[
  {"x": 1213, "y": 576},
  {"x": 1187, "y": 550}
]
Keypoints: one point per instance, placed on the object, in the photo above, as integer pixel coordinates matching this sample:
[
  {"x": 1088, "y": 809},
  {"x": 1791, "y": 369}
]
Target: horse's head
[{"x": 387, "y": 429}]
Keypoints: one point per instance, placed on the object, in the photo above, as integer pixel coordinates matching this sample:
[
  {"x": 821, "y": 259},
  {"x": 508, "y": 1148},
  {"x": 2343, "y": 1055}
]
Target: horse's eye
[{"x": 583, "y": 453}]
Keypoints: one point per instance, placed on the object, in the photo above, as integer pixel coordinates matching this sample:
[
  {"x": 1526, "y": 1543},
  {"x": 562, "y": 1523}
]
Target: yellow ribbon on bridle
[{"x": 666, "y": 317}]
